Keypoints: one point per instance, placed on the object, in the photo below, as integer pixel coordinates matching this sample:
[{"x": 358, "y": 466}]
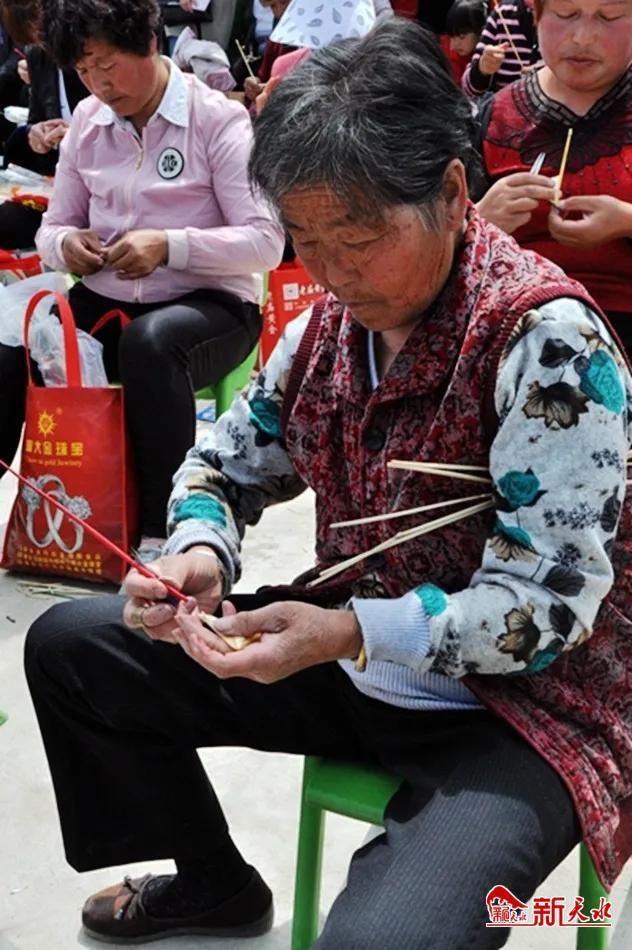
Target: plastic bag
[
  {"x": 15, "y": 297},
  {"x": 205, "y": 59},
  {"x": 46, "y": 344},
  {"x": 45, "y": 336}
]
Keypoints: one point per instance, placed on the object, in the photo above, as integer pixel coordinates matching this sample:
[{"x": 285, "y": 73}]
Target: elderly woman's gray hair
[{"x": 376, "y": 120}]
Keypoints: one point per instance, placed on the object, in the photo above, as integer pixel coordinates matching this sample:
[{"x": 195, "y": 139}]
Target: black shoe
[{"x": 117, "y": 914}]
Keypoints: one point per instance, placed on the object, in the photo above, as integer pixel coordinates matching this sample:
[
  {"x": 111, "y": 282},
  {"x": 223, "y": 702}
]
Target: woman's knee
[
  {"x": 141, "y": 340},
  {"x": 63, "y": 637}
]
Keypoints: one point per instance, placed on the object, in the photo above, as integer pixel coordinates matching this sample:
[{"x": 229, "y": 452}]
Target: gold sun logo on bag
[{"x": 46, "y": 423}]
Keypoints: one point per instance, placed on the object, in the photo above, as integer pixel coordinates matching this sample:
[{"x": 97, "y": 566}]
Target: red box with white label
[{"x": 290, "y": 291}]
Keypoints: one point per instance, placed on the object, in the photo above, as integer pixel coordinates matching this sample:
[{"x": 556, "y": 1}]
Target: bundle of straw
[{"x": 469, "y": 506}]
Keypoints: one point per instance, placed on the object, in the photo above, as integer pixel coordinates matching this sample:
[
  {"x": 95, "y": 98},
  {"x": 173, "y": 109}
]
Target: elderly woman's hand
[
  {"x": 602, "y": 219},
  {"x": 83, "y": 252},
  {"x": 511, "y": 201},
  {"x": 197, "y": 572},
  {"x": 138, "y": 253},
  {"x": 293, "y": 636}
]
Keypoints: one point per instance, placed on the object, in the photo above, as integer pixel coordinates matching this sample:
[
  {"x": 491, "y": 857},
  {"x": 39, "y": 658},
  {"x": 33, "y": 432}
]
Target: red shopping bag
[
  {"x": 290, "y": 291},
  {"x": 75, "y": 448},
  {"x": 16, "y": 265}
]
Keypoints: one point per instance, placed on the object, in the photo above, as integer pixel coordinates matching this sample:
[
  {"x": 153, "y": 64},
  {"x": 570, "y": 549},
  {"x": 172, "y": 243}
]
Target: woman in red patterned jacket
[
  {"x": 585, "y": 85},
  {"x": 498, "y": 650}
]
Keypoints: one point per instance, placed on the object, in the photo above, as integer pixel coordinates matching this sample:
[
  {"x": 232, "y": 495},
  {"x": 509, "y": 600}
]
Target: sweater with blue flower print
[{"x": 558, "y": 466}]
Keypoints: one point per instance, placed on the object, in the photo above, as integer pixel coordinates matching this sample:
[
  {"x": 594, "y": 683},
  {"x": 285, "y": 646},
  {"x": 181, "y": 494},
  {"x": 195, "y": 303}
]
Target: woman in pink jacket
[{"x": 153, "y": 210}]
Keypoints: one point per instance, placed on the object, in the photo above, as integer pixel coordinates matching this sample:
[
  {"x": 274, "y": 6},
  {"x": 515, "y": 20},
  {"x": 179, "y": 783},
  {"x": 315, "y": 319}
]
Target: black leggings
[{"x": 169, "y": 351}]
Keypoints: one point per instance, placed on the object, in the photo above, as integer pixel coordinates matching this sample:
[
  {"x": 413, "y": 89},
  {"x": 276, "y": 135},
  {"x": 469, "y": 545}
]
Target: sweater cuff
[
  {"x": 193, "y": 532},
  {"x": 178, "y": 243},
  {"x": 58, "y": 244},
  {"x": 394, "y": 630},
  {"x": 478, "y": 81}
]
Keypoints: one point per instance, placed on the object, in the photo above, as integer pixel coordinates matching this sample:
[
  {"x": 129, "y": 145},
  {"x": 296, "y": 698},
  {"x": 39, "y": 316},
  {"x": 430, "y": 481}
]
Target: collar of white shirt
[{"x": 173, "y": 106}]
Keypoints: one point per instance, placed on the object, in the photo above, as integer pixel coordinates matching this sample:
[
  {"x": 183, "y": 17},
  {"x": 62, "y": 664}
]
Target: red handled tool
[{"x": 175, "y": 594}]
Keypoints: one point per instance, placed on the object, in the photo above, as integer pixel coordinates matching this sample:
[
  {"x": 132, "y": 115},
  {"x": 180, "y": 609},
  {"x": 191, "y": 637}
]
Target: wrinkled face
[
  {"x": 124, "y": 81},
  {"x": 587, "y": 44},
  {"x": 387, "y": 271},
  {"x": 464, "y": 43}
]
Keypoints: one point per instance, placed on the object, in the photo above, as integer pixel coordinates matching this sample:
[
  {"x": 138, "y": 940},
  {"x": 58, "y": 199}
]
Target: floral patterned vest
[{"x": 436, "y": 404}]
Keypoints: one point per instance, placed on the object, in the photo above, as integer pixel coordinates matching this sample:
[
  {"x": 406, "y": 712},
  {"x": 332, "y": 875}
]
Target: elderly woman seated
[
  {"x": 585, "y": 85},
  {"x": 152, "y": 208},
  {"x": 486, "y": 663}
]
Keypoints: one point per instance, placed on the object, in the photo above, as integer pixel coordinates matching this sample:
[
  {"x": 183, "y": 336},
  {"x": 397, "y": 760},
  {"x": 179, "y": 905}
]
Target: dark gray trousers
[{"x": 122, "y": 717}]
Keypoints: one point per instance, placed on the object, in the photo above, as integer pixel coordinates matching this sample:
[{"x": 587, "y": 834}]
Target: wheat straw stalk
[
  {"x": 400, "y": 538},
  {"x": 242, "y": 53},
  {"x": 505, "y": 27},
  {"x": 443, "y": 471},
  {"x": 406, "y": 511},
  {"x": 450, "y": 467},
  {"x": 560, "y": 174}
]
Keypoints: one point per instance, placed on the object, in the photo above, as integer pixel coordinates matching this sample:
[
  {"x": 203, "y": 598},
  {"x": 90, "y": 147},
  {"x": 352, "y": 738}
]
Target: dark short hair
[
  {"x": 128, "y": 25},
  {"x": 21, "y": 19},
  {"x": 376, "y": 120},
  {"x": 466, "y": 16}
]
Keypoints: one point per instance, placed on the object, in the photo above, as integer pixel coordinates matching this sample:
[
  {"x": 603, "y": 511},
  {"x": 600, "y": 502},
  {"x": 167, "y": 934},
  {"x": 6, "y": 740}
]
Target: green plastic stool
[
  {"x": 223, "y": 392},
  {"x": 361, "y": 792},
  {"x": 3, "y": 717}
]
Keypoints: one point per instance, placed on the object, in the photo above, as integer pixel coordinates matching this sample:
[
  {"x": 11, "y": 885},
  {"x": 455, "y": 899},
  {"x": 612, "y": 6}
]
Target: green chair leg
[
  {"x": 3, "y": 717},
  {"x": 233, "y": 382},
  {"x": 362, "y": 792},
  {"x": 592, "y": 890},
  {"x": 223, "y": 392},
  {"x": 308, "y": 869}
]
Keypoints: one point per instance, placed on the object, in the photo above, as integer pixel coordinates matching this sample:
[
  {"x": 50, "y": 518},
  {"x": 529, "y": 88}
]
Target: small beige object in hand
[{"x": 235, "y": 643}]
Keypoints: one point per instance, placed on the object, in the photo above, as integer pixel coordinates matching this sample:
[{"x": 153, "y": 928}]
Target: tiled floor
[{"x": 40, "y": 896}]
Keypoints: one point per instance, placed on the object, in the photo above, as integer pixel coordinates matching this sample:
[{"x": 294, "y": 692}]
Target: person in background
[
  {"x": 507, "y": 48},
  {"x": 55, "y": 93},
  {"x": 432, "y": 14},
  {"x": 463, "y": 26},
  {"x": 21, "y": 19},
  {"x": 11, "y": 86},
  {"x": 220, "y": 27},
  {"x": 486, "y": 664},
  {"x": 153, "y": 209},
  {"x": 383, "y": 8},
  {"x": 253, "y": 87},
  {"x": 585, "y": 84},
  {"x": 264, "y": 23},
  {"x": 405, "y": 8}
]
